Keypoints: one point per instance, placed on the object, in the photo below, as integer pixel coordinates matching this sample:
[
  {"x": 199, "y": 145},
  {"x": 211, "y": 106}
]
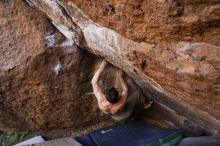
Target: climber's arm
[
  {"x": 96, "y": 88},
  {"x": 117, "y": 106},
  {"x": 123, "y": 84}
]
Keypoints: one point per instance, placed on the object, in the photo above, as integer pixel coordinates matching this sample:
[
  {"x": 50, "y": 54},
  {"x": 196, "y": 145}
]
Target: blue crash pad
[{"x": 130, "y": 134}]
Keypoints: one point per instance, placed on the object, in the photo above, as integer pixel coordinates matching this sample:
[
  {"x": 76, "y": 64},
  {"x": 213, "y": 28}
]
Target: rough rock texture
[
  {"x": 157, "y": 21},
  {"x": 45, "y": 78},
  {"x": 42, "y": 96},
  {"x": 21, "y": 33},
  {"x": 44, "y": 82},
  {"x": 172, "y": 54},
  {"x": 170, "y": 48}
]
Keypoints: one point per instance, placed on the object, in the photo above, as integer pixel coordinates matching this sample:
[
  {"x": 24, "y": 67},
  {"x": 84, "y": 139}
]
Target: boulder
[
  {"x": 179, "y": 68},
  {"x": 170, "y": 49}
]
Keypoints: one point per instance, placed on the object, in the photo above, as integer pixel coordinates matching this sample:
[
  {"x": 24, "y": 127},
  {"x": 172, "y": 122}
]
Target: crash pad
[{"x": 132, "y": 133}]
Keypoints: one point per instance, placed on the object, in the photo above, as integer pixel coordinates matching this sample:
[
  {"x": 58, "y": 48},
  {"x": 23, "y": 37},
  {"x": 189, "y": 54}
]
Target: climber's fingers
[
  {"x": 119, "y": 72},
  {"x": 104, "y": 63}
]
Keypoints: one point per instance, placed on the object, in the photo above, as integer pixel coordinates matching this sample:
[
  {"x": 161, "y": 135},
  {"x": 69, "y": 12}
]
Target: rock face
[
  {"x": 44, "y": 81},
  {"x": 157, "y": 21},
  {"x": 169, "y": 48},
  {"x": 45, "y": 78}
]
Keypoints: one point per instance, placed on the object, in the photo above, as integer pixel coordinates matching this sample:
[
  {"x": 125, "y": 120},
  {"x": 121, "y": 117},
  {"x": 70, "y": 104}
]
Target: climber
[{"x": 120, "y": 107}]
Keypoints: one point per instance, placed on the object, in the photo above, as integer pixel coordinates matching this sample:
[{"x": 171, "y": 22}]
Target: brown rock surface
[
  {"x": 21, "y": 33},
  {"x": 42, "y": 96},
  {"x": 157, "y": 21},
  {"x": 45, "y": 79},
  {"x": 44, "y": 83}
]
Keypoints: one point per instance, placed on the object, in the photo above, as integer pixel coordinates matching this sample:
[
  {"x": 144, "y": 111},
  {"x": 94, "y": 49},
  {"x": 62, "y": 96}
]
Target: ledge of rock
[{"x": 169, "y": 48}]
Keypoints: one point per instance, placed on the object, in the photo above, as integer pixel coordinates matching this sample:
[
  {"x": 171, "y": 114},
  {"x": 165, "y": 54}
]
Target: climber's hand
[
  {"x": 103, "y": 64},
  {"x": 120, "y": 73}
]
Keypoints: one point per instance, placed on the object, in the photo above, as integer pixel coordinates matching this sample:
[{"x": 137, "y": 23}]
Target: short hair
[{"x": 112, "y": 95}]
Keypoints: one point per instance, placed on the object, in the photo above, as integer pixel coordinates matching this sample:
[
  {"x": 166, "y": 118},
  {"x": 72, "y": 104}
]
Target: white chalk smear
[
  {"x": 57, "y": 68},
  {"x": 105, "y": 131},
  {"x": 50, "y": 40}
]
